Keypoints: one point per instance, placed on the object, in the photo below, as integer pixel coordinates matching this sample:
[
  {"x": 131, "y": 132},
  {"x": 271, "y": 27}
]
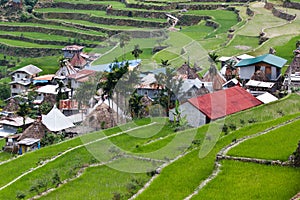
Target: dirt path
[
  {"x": 69, "y": 150},
  {"x": 225, "y": 150}
]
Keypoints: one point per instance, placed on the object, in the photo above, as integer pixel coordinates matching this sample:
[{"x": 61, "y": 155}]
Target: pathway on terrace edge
[
  {"x": 225, "y": 150},
  {"x": 69, "y": 150}
]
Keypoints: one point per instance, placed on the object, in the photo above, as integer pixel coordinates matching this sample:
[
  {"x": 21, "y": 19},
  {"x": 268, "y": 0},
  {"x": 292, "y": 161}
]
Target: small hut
[
  {"x": 36, "y": 130},
  {"x": 101, "y": 118}
]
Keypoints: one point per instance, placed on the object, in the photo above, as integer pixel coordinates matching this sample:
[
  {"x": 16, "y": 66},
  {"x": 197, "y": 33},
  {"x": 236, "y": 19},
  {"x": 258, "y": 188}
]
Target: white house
[
  {"x": 269, "y": 64},
  {"x": 21, "y": 78}
]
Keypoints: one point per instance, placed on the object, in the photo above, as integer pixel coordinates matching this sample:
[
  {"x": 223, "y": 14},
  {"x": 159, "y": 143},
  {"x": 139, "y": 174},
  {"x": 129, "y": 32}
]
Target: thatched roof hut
[
  {"x": 214, "y": 76},
  {"x": 36, "y": 130},
  {"x": 102, "y": 117},
  {"x": 12, "y": 105}
]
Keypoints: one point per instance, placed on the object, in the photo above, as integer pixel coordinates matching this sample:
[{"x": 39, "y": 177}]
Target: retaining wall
[
  {"x": 51, "y": 31},
  {"x": 28, "y": 52}
]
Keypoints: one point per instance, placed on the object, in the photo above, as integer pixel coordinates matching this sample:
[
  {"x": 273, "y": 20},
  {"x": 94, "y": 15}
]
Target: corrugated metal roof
[
  {"x": 267, "y": 98},
  {"x": 224, "y": 102},
  {"x": 267, "y": 58},
  {"x": 254, "y": 83},
  {"x": 72, "y": 48},
  {"x": 28, "y": 69}
]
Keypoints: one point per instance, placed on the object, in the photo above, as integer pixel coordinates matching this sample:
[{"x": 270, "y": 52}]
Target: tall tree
[
  {"x": 136, "y": 51},
  {"x": 124, "y": 39},
  {"x": 170, "y": 88},
  {"x": 23, "y": 111}
]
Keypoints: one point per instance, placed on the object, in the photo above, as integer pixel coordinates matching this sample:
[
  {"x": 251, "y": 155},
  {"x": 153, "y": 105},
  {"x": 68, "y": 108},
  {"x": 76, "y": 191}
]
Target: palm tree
[
  {"x": 124, "y": 39},
  {"x": 60, "y": 91},
  {"x": 136, "y": 51},
  {"x": 23, "y": 111},
  {"x": 170, "y": 87},
  {"x": 165, "y": 63}
]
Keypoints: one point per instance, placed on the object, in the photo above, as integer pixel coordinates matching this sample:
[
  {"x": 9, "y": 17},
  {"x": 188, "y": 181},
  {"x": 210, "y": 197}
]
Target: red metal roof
[{"x": 224, "y": 102}]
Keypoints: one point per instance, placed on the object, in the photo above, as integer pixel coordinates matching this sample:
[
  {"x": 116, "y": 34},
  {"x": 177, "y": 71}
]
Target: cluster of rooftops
[{"x": 242, "y": 83}]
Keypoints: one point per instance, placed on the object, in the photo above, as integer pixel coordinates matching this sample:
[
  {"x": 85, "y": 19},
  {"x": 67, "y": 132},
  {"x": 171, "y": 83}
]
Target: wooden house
[
  {"x": 71, "y": 50},
  {"x": 268, "y": 64},
  {"x": 203, "y": 109}
]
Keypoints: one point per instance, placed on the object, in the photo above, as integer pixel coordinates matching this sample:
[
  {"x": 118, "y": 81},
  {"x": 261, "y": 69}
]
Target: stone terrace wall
[
  {"x": 225, "y": 1},
  {"x": 279, "y": 13},
  {"x": 188, "y": 20},
  {"x": 137, "y": 13},
  {"x": 72, "y": 6},
  {"x": 28, "y": 52},
  {"x": 104, "y": 20},
  {"x": 283, "y": 15},
  {"x": 202, "y": 6},
  {"x": 47, "y": 42},
  {"x": 289, "y": 4},
  {"x": 51, "y": 31},
  {"x": 150, "y": 7},
  {"x": 213, "y": 24},
  {"x": 249, "y": 12}
]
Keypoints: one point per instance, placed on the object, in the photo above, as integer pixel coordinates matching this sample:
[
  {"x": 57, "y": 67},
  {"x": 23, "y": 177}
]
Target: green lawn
[
  {"x": 238, "y": 180},
  {"x": 276, "y": 145}
]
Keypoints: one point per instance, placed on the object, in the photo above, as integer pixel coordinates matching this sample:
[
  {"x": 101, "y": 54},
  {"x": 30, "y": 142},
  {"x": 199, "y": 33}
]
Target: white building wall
[
  {"x": 19, "y": 76},
  {"x": 194, "y": 117},
  {"x": 273, "y": 75},
  {"x": 247, "y": 72}
]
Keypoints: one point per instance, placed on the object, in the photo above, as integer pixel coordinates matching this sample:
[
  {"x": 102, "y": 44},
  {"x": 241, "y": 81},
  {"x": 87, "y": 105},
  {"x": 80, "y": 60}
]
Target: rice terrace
[{"x": 150, "y": 99}]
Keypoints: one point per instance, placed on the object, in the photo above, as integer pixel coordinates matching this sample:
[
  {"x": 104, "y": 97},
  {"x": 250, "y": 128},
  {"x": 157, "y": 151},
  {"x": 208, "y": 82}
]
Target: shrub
[
  {"x": 225, "y": 129},
  {"x": 56, "y": 179},
  {"x": 242, "y": 121},
  {"x": 232, "y": 127},
  {"x": 20, "y": 195},
  {"x": 116, "y": 196},
  {"x": 252, "y": 120}
]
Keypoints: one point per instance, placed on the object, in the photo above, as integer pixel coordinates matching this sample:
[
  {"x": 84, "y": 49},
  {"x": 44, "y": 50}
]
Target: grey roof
[{"x": 28, "y": 69}]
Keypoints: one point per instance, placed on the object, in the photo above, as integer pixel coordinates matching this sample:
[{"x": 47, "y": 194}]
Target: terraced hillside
[
  {"x": 147, "y": 160},
  {"x": 203, "y": 27}
]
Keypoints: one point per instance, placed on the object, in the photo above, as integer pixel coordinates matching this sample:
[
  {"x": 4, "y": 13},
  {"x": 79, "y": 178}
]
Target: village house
[
  {"x": 203, "y": 109},
  {"x": 187, "y": 72},
  {"x": 193, "y": 87},
  {"x": 80, "y": 77},
  {"x": 215, "y": 77},
  {"x": 71, "y": 50},
  {"x": 22, "y": 78},
  {"x": 148, "y": 86},
  {"x": 268, "y": 64},
  {"x": 260, "y": 87},
  {"x": 10, "y": 125},
  {"x": 292, "y": 74},
  {"x": 267, "y": 98}
]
